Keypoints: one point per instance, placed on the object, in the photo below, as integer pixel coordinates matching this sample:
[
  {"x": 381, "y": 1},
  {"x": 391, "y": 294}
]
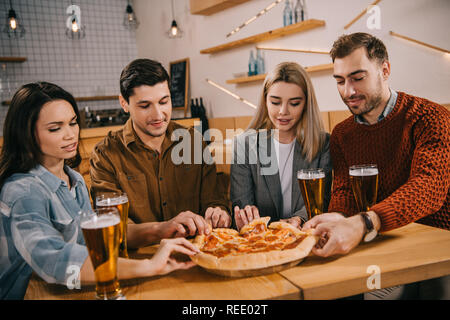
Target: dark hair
[
  {"x": 141, "y": 72},
  {"x": 346, "y": 44},
  {"x": 21, "y": 151}
]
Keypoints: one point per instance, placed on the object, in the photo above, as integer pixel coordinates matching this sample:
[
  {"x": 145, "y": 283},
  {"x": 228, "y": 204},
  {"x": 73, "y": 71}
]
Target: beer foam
[
  {"x": 99, "y": 222},
  {"x": 310, "y": 175},
  {"x": 112, "y": 202},
  {"x": 363, "y": 172}
]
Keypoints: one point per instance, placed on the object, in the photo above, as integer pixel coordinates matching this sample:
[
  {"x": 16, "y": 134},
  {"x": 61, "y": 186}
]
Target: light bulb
[
  {"x": 14, "y": 27},
  {"x": 75, "y": 27},
  {"x": 174, "y": 31},
  {"x": 130, "y": 20},
  {"x": 13, "y": 23}
]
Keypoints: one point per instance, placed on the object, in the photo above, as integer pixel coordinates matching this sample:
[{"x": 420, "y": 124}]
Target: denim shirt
[{"x": 40, "y": 229}]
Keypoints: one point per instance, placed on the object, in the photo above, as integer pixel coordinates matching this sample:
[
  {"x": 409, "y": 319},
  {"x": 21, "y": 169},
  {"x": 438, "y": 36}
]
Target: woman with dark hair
[{"x": 41, "y": 197}]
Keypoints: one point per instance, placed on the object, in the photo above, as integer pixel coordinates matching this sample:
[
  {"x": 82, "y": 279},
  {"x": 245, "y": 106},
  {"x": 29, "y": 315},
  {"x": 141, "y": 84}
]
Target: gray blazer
[{"x": 255, "y": 179}]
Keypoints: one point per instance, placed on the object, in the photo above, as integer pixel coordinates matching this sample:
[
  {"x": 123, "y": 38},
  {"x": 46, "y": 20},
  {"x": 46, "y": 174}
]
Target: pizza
[{"x": 258, "y": 245}]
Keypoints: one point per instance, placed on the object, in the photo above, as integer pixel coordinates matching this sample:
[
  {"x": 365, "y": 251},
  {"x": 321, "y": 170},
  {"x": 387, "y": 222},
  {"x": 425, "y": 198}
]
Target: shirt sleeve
[
  {"x": 427, "y": 187},
  {"x": 41, "y": 244},
  {"x": 302, "y": 213},
  {"x": 103, "y": 175}
]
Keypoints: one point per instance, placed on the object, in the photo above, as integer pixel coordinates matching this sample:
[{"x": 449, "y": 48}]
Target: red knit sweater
[{"x": 411, "y": 147}]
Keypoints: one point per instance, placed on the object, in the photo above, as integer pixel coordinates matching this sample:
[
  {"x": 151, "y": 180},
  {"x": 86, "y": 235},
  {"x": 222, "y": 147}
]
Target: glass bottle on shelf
[
  {"x": 298, "y": 11},
  {"x": 197, "y": 105},
  {"x": 194, "y": 112},
  {"x": 204, "y": 120},
  {"x": 260, "y": 62},
  {"x": 304, "y": 10},
  {"x": 287, "y": 13},
  {"x": 252, "y": 65}
]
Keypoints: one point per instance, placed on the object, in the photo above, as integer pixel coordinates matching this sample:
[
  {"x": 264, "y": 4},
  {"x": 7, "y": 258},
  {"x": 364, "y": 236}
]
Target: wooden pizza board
[{"x": 255, "y": 272}]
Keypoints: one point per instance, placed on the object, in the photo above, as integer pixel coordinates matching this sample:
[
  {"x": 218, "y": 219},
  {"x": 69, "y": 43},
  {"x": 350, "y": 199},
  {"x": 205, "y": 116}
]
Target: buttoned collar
[{"x": 52, "y": 181}]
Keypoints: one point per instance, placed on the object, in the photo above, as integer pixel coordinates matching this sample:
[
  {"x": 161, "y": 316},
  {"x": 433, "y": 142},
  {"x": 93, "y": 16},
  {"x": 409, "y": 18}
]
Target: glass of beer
[
  {"x": 312, "y": 186},
  {"x": 117, "y": 200},
  {"x": 364, "y": 180},
  {"x": 101, "y": 229}
]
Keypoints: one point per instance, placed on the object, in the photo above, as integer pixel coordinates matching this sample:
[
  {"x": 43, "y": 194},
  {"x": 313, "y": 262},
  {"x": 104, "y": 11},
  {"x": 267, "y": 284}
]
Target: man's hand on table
[{"x": 337, "y": 234}]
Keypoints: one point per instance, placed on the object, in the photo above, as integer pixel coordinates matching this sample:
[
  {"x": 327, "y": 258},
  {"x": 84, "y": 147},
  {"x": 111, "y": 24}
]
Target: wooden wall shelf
[
  {"x": 13, "y": 59},
  {"x": 209, "y": 7},
  {"x": 93, "y": 98},
  {"x": 269, "y": 35},
  {"x": 261, "y": 77}
]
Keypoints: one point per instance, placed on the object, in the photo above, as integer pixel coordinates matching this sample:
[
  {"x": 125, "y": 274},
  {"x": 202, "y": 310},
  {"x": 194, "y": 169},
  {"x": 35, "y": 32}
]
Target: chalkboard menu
[{"x": 179, "y": 83}]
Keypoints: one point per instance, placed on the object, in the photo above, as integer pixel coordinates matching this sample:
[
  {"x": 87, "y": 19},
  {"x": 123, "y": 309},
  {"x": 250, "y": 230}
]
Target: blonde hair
[{"x": 310, "y": 129}]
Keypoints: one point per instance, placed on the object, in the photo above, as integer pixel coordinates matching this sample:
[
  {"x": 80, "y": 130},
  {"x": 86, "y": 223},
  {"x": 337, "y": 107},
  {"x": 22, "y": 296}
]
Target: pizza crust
[{"x": 256, "y": 260}]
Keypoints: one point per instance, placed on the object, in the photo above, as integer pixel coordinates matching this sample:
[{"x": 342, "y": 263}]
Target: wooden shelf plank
[
  {"x": 209, "y": 7},
  {"x": 319, "y": 67},
  {"x": 13, "y": 59},
  {"x": 261, "y": 77},
  {"x": 392, "y": 33},
  {"x": 269, "y": 35},
  {"x": 93, "y": 98}
]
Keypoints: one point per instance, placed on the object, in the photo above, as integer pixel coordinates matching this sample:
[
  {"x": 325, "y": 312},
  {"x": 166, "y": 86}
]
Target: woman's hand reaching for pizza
[
  {"x": 245, "y": 216},
  {"x": 162, "y": 262},
  {"x": 217, "y": 217}
]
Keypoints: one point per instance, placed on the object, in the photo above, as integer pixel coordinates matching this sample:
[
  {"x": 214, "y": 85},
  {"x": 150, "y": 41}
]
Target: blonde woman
[{"x": 285, "y": 135}]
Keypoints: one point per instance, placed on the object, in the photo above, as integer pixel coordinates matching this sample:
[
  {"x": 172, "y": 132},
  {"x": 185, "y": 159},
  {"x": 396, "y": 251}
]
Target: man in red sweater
[
  {"x": 409, "y": 140},
  {"x": 406, "y": 136}
]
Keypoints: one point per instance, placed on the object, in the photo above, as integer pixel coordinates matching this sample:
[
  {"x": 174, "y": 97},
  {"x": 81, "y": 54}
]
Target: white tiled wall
[{"x": 86, "y": 67}]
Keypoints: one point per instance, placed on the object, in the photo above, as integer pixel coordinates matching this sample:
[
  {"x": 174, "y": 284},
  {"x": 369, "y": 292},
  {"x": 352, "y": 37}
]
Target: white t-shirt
[{"x": 285, "y": 157}]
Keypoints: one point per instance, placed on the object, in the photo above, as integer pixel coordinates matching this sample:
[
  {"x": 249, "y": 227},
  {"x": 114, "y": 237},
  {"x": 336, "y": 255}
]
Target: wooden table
[
  {"x": 409, "y": 254},
  {"x": 191, "y": 284},
  {"x": 412, "y": 253}
]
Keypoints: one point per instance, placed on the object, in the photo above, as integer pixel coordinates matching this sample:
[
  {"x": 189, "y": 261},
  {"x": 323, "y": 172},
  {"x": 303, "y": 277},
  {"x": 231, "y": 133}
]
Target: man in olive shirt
[{"x": 166, "y": 199}]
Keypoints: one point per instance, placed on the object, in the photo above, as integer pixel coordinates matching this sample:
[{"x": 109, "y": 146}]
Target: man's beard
[{"x": 371, "y": 103}]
